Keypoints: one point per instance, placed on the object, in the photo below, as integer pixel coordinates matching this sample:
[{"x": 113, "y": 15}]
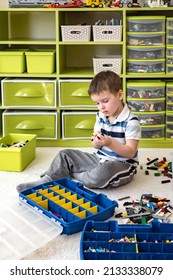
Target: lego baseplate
[
  {"x": 110, "y": 241},
  {"x": 69, "y": 203},
  {"x": 23, "y": 230}
]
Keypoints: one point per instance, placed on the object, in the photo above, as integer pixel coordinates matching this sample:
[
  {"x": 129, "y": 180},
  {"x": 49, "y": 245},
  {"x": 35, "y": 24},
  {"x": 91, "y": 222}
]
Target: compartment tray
[
  {"x": 69, "y": 203},
  {"x": 110, "y": 241}
]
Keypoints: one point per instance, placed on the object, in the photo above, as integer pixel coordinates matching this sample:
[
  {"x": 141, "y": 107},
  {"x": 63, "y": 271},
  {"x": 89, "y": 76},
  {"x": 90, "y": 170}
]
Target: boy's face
[{"x": 108, "y": 103}]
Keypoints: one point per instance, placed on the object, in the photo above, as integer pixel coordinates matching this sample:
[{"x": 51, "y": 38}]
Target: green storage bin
[
  {"x": 78, "y": 125},
  {"x": 75, "y": 93},
  {"x": 40, "y": 61},
  {"x": 16, "y": 159},
  {"x": 28, "y": 93},
  {"x": 41, "y": 123},
  {"x": 1, "y": 122},
  {"x": 12, "y": 61}
]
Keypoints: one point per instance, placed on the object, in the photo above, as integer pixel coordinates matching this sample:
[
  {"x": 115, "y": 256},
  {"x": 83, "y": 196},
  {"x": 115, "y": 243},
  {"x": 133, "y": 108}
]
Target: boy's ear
[{"x": 120, "y": 94}]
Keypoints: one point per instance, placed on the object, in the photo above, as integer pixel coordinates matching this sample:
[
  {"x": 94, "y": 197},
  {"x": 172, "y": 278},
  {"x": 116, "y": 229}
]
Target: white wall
[{"x": 3, "y": 3}]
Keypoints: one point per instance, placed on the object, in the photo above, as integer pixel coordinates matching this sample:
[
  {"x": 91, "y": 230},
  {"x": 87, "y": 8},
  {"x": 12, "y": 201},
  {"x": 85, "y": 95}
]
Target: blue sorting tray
[
  {"x": 110, "y": 241},
  {"x": 69, "y": 203}
]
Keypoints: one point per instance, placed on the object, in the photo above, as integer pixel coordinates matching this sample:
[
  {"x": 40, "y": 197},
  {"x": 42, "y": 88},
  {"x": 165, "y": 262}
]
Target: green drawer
[
  {"x": 78, "y": 125},
  {"x": 29, "y": 93},
  {"x": 74, "y": 93},
  {"x": 42, "y": 123},
  {"x": 1, "y": 122}
]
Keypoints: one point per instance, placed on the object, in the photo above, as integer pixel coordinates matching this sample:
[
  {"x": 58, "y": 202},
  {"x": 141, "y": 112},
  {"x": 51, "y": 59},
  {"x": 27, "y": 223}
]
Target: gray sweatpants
[{"x": 87, "y": 169}]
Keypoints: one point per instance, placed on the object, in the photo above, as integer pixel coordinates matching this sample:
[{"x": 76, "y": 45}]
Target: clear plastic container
[
  {"x": 150, "y": 119},
  {"x": 153, "y": 132},
  {"x": 169, "y": 106},
  {"x": 169, "y": 22},
  {"x": 145, "y": 39},
  {"x": 145, "y": 24},
  {"x": 146, "y": 105},
  {"x": 145, "y": 89},
  {"x": 169, "y": 68},
  {"x": 146, "y": 66},
  {"x": 145, "y": 53}
]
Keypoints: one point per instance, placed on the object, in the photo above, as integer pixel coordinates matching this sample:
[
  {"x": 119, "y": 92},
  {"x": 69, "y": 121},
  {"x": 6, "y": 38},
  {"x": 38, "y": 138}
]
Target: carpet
[{"x": 66, "y": 247}]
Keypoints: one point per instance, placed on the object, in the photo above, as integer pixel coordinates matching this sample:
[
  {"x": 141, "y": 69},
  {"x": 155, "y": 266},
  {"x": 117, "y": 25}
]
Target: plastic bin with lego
[
  {"x": 145, "y": 89},
  {"x": 145, "y": 53},
  {"x": 146, "y": 23},
  {"x": 109, "y": 241},
  {"x": 17, "y": 151},
  {"x": 152, "y": 66},
  {"x": 148, "y": 39},
  {"x": 153, "y": 132},
  {"x": 152, "y": 118},
  {"x": 146, "y": 105}
]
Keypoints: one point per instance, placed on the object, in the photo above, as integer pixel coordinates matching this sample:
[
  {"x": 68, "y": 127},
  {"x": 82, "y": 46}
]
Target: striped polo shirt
[{"x": 126, "y": 126}]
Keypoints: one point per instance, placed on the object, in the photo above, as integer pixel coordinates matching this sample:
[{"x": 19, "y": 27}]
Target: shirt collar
[{"x": 121, "y": 117}]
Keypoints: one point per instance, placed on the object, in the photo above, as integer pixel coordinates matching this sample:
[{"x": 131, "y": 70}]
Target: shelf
[
  {"x": 28, "y": 42},
  {"x": 26, "y": 75},
  {"x": 91, "y": 43},
  {"x": 32, "y": 28},
  {"x": 73, "y": 73}
]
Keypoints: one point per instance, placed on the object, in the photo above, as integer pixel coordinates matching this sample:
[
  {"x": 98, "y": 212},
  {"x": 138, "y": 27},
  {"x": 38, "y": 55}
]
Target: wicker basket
[
  {"x": 112, "y": 63},
  {"x": 107, "y": 33},
  {"x": 76, "y": 33}
]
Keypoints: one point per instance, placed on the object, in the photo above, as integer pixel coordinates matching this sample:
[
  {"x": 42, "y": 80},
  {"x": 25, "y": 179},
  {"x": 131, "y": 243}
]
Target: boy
[{"x": 116, "y": 136}]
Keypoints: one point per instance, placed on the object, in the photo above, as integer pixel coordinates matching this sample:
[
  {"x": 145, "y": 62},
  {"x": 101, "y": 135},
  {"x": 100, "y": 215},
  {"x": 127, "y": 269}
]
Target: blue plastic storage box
[
  {"x": 69, "y": 203},
  {"x": 110, "y": 241}
]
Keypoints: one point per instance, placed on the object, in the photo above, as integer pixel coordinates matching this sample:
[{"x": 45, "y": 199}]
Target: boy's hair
[{"x": 105, "y": 80}]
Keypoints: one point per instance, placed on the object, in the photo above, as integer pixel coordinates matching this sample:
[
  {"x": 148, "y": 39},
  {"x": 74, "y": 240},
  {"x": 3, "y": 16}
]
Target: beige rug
[{"x": 66, "y": 247}]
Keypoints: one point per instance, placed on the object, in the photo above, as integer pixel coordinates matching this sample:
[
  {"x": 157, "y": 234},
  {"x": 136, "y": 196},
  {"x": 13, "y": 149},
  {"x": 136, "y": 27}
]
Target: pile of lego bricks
[
  {"x": 146, "y": 209},
  {"x": 160, "y": 168}
]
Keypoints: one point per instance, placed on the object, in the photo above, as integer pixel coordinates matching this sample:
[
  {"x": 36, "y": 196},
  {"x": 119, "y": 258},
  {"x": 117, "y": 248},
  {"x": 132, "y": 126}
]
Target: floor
[{"x": 66, "y": 247}]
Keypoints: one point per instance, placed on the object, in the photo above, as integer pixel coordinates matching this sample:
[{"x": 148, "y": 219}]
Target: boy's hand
[{"x": 99, "y": 140}]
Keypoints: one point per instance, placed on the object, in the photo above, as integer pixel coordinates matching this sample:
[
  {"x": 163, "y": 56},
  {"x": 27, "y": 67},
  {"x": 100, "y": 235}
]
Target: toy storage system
[
  {"x": 110, "y": 241},
  {"x": 17, "y": 158},
  {"x": 68, "y": 203},
  {"x": 46, "y": 65}
]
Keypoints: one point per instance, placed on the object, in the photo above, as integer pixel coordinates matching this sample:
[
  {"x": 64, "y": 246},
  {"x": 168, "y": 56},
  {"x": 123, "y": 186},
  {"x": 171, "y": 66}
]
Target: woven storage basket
[
  {"x": 76, "y": 32},
  {"x": 112, "y": 63},
  {"x": 107, "y": 33}
]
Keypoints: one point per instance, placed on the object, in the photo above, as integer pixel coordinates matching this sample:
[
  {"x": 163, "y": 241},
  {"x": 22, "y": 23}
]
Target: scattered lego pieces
[
  {"x": 152, "y": 161},
  {"x": 144, "y": 211},
  {"x": 161, "y": 168},
  {"x": 165, "y": 181},
  {"x": 125, "y": 197}
]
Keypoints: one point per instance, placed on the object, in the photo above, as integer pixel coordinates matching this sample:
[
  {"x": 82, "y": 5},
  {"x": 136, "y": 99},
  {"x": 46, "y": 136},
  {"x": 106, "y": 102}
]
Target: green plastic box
[
  {"x": 1, "y": 111},
  {"x": 16, "y": 159},
  {"x": 12, "y": 61},
  {"x": 40, "y": 61}
]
